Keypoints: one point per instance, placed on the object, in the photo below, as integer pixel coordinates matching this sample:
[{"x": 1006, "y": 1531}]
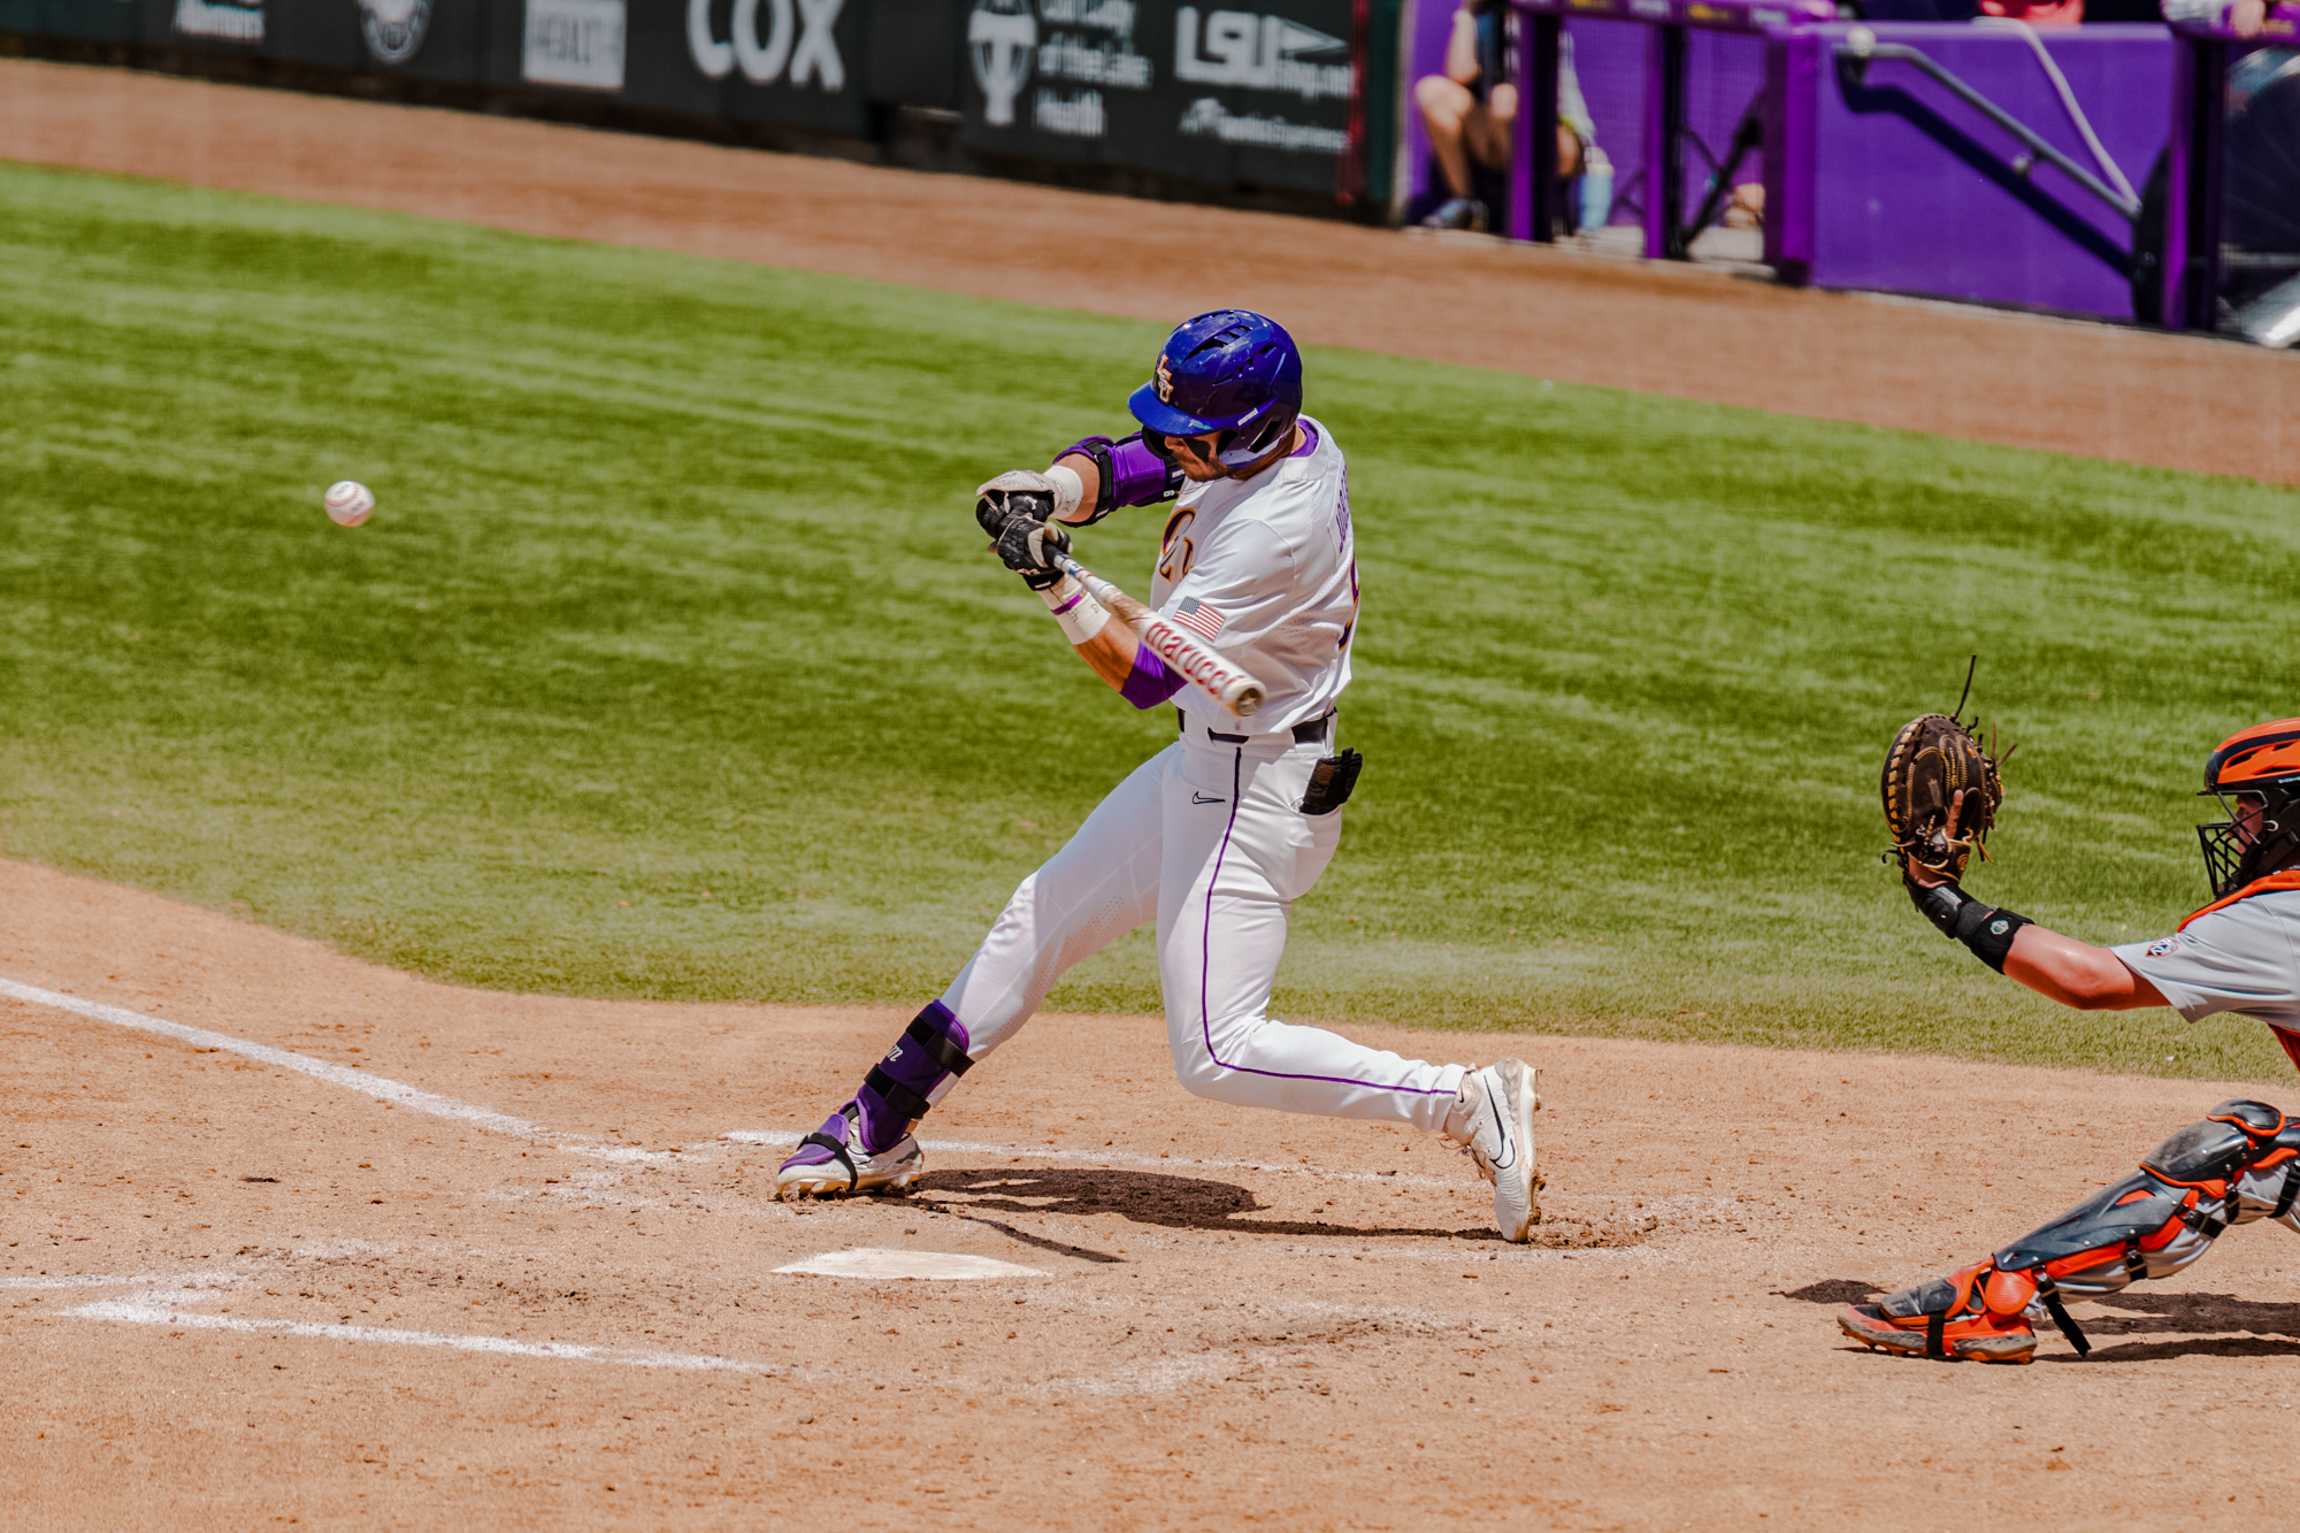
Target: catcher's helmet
[
  {"x": 1231, "y": 371},
  {"x": 2261, "y": 762}
]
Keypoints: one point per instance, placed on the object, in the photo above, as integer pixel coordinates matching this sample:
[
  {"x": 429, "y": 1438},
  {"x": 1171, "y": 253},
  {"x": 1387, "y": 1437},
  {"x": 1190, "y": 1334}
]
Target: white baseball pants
[{"x": 1206, "y": 837}]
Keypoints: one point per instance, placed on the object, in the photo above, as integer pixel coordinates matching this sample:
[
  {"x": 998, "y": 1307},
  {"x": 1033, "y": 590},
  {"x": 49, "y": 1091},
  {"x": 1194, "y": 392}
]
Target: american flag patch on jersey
[{"x": 1199, "y": 618}]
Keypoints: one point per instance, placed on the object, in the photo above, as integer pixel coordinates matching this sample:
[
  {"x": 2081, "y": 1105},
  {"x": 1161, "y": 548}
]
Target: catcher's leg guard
[
  {"x": 1977, "y": 1312},
  {"x": 2240, "y": 1164}
]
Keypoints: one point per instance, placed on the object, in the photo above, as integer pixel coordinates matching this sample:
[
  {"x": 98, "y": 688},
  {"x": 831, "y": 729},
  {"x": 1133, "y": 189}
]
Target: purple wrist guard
[
  {"x": 1149, "y": 683},
  {"x": 1131, "y": 474}
]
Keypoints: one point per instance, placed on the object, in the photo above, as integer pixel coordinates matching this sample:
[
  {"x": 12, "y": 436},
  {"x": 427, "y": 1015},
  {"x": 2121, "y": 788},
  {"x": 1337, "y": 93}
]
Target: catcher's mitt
[{"x": 1932, "y": 760}]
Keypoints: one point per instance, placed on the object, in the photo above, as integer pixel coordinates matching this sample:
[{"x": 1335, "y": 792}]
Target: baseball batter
[
  {"x": 1216, "y": 835},
  {"x": 2240, "y": 954}
]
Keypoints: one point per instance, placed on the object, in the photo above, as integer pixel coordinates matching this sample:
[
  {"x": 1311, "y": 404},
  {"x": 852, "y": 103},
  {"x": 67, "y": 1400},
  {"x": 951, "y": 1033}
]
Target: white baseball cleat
[
  {"x": 1499, "y": 1102},
  {"x": 831, "y": 1163}
]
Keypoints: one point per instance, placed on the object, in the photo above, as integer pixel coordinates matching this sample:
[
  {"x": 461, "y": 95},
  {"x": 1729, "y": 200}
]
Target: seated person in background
[
  {"x": 1470, "y": 110},
  {"x": 2244, "y": 18}
]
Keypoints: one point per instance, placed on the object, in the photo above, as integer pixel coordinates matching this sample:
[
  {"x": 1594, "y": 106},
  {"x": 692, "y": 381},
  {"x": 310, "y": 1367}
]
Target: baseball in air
[{"x": 349, "y": 503}]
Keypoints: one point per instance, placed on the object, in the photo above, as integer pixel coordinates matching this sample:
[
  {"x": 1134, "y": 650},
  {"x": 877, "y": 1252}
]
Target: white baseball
[{"x": 349, "y": 503}]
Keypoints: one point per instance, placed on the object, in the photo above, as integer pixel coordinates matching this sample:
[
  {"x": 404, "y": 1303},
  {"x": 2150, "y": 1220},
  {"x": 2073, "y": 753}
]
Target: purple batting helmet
[{"x": 1231, "y": 371}]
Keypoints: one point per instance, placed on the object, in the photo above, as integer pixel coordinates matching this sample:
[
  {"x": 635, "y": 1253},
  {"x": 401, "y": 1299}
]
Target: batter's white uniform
[{"x": 1206, "y": 837}]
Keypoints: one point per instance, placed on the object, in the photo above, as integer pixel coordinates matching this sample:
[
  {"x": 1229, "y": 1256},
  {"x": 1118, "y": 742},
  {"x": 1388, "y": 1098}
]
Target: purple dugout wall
[
  {"x": 1880, "y": 177},
  {"x": 1887, "y": 180}
]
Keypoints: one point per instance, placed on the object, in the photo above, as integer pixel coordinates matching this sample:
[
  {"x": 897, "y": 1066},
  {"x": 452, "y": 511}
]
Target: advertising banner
[
  {"x": 1253, "y": 97},
  {"x": 219, "y": 26},
  {"x": 438, "y": 40},
  {"x": 795, "y": 62},
  {"x": 108, "y": 21},
  {"x": 573, "y": 43}
]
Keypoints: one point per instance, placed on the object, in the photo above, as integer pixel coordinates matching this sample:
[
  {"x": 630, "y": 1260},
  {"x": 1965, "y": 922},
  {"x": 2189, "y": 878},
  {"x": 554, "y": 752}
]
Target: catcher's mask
[
  {"x": 1232, "y": 372},
  {"x": 2263, "y": 764}
]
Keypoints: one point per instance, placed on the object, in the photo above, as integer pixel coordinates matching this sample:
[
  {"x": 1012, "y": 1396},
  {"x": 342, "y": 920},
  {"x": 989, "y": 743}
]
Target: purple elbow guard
[
  {"x": 1149, "y": 683},
  {"x": 1132, "y": 474},
  {"x": 1138, "y": 476}
]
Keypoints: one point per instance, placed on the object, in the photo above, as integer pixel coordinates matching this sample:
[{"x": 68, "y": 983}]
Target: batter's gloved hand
[
  {"x": 1017, "y": 492},
  {"x": 1029, "y": 547}
]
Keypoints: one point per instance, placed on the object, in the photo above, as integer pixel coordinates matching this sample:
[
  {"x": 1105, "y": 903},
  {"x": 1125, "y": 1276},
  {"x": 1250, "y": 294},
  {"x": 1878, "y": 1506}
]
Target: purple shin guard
[{"x": 896, "y": 1093}]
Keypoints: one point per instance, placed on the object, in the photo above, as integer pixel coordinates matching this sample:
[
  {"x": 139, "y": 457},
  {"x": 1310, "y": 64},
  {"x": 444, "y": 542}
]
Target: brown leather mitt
[{"x": 1933, "y": 759}]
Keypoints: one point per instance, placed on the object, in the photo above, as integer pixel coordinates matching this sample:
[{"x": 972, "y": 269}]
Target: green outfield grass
[{"x": 672, "y": 665}]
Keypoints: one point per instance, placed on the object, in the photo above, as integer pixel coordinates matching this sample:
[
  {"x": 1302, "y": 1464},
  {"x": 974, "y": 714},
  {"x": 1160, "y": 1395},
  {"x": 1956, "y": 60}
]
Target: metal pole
[{"x": 1538, "y": 119}]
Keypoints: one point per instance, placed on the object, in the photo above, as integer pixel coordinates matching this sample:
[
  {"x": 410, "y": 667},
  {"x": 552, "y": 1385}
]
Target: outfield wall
[
  {"x": 1875, "y": 174},
  {"x": 1271, "y": 100}
]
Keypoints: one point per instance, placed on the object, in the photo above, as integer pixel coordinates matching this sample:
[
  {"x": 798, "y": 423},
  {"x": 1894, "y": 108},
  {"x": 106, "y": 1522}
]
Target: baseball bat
[{"x": 1184, "y": 652}]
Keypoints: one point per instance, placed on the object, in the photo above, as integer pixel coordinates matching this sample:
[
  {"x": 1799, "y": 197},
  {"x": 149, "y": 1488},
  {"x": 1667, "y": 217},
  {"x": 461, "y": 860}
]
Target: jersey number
[{"x": 1176, "y": 553}]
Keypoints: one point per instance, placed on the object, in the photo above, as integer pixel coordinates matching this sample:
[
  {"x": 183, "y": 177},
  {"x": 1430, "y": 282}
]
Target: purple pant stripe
[{"x": 1206, "y": 968}]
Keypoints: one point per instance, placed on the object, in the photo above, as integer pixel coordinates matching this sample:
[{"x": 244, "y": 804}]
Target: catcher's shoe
[
  {"x": 1497, "y": 1105},
  {"x": 832, "y": 1163},
  {"x": 1978, "y": 1313}
]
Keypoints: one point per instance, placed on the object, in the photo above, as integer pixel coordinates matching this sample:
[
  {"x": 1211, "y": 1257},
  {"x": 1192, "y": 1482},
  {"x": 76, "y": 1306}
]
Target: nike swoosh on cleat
[
  {"x": 1508, "y": 1145},
  {"x": 1199, "y": 798}
]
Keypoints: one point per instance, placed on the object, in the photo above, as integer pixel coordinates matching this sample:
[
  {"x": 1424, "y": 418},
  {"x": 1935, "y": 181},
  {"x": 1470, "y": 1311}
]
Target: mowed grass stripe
[{"x": 671, "y": 665}]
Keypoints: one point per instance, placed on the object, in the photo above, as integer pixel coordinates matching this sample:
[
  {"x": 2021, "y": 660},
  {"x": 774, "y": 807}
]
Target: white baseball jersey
[
  {"x": 2243, "y": 957},
  {"x": 1266, "y": 570},
  {"x": 1207, "y": 837}
]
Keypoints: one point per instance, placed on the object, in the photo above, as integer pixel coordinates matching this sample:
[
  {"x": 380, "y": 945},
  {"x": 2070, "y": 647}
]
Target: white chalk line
[
  {"x": 365, "y": 1083},
  {"x": 162, "y": 1296},
  {"x": 43, "y": 1284},
  {"x": 148, "y": 1310}
]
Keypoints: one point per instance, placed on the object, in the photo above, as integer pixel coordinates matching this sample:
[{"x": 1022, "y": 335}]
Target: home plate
[{"x": 880, "y": 1263}]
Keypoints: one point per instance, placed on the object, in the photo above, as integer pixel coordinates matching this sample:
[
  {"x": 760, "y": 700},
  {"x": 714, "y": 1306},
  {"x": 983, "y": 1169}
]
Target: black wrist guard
[
  {"x": 1040, "y": 580},
  {"x": 1986, "y": 929}
]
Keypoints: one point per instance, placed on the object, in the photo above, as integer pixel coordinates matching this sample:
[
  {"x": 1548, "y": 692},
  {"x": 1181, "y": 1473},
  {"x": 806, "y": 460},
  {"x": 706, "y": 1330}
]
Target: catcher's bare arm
[{"x": 2059, "y": 967}]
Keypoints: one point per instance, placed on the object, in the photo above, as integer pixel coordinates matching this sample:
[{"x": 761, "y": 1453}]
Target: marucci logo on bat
[{"x": 1182, "y": 652}]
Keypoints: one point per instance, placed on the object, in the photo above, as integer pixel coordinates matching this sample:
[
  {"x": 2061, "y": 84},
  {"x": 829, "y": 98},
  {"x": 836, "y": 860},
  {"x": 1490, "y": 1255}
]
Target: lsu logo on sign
[{"x": 1165, "y": 381}]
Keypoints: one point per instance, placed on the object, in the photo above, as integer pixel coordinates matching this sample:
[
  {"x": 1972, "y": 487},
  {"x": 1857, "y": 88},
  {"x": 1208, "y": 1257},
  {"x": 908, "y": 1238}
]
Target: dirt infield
[
  {"x": 552, "y": 1292},
  {"x": 288, "y": 1238},
  {"x": 2093, "y": 390}
]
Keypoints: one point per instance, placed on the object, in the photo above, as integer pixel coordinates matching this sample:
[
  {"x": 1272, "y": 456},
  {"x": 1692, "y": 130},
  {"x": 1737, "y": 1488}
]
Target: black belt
[{"x": 1304, "y": 734}]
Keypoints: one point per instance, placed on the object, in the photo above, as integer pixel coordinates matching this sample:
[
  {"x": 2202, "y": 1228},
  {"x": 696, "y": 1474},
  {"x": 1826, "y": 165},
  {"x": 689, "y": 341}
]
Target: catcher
[{"x": 2241, "y": 954}]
